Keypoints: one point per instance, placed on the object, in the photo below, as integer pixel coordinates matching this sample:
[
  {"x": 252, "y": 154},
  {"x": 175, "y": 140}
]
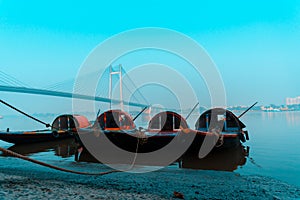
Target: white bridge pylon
[{"x": 111, "y": 73}]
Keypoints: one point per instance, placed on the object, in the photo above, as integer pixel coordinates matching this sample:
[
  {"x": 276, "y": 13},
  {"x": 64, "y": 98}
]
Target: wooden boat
[
  {"x": 223, "y": 120},
  {"x": 120, "y": 129},
  {"x": 222, "y": 123},
  {"x": 163, "y": 128},
  {"x": 62, "y": 127}
]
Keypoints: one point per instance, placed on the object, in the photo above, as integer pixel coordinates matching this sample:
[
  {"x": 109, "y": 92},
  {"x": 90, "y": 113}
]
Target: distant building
[{"x": 293, "y": 101}]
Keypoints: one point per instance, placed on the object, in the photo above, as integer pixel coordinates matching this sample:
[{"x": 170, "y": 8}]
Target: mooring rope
[
  {"x": 17, "y": 155},
  {"x": 14, "y": 154},
  {"x": 27, "y": 115}
]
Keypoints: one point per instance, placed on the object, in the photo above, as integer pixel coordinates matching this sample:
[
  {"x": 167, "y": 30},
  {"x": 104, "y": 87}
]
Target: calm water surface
[{"x": 274, "y": 144}]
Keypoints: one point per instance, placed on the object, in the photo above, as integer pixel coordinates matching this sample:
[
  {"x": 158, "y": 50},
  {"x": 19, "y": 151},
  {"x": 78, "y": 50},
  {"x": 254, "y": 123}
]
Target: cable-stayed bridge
[{"x": 65, "y": 88}]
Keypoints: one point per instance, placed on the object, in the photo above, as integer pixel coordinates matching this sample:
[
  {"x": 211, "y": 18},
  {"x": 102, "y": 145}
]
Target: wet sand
[{"x": 24, "y": 180}]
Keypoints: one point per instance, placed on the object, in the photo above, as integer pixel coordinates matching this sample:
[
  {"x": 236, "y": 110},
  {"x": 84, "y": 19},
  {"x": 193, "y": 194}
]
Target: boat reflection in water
[
  {"x": 221, "y": 160},
  {"x": 224, "y": 160},
  {"x": 62, "y": 148}
]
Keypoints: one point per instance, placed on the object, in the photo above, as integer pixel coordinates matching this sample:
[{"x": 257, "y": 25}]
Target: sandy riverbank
[{"x": 24, "y": 180}]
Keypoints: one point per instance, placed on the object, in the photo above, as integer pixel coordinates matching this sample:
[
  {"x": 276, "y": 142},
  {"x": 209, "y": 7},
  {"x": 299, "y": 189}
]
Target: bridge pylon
[{"x": 119, "y": 73}]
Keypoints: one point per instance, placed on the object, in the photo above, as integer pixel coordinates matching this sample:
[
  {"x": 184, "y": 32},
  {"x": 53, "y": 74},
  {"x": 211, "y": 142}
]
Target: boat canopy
[
  {"x": 115, "y": 120},
  {"x": 167, "y": 121},
  {"x": 70, "y": 122},
  {"x": 220, "y": 117}
]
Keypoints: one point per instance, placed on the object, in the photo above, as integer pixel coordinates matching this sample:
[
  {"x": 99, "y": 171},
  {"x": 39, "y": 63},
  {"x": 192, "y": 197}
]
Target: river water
[{"x": 274, "y": 146}]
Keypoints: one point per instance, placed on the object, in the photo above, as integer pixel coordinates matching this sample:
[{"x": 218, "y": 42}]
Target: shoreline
[{"x": 21, "y": 179}]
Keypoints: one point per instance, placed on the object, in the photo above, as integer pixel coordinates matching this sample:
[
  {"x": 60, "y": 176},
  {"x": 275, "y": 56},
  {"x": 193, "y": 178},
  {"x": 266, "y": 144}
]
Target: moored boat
[
  {"x": 62, "y": 127},
  {"x": 164, "y": 128},
  {"x": 222, "y": 124},
  {"x": 120, "y": 129}
]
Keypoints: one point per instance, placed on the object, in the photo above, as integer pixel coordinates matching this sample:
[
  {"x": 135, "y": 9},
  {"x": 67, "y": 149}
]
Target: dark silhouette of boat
[
  {"x": 62, "y": 127},
  {"x": 222, "y": 124},
  {"x": 228, "y": 159},
  {"x": 221, "y": 127},
  {"x": 223, "y": 121}
]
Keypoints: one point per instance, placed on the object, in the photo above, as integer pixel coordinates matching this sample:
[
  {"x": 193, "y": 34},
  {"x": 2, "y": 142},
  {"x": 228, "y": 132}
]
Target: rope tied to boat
[
  {"x": 17, "y": 155},
  {"x": 220, "y": 136},
  {"x": 141, "y": 136},
  {"x": 27, "y": 115},
  {"x": 220, "y": 141},
  {"x": 14, "y": 154}
]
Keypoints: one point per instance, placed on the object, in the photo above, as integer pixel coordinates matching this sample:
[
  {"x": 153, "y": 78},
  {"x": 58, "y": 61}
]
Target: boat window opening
[
  {"x": 207, "y": 120},
  {"x": 68, "y": 119},
  {"x": 160, "y": 126},
  {"x": 232, "y": 123},
  {"x": 124, "y": 121},
  {"x": 218, "y": 122},
  {"x": 64, "y": 122},
  {"x": 105, "y": 120},
  {"x": 115, "y": 120},
  {"x": 173, "y": 121},
  {"x": 155, "y": 123},
  {"x": 168, "y": 125},
  {"x": 110, "y": 121},
  {"x": 224, "y": 119},
  {"x": 59, "y": 123},
  {"x": 221, "y": 117},
  {"x": 167, "y": 122},
  {"x": 177, "y": 123}
]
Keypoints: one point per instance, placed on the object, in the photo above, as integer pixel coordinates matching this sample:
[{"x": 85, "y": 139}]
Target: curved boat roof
[
  {"x": 167, "y": 121},
  {"x": 219, "y": 115},
  {"x": 66, "y": 122},
  {"x": 115, "y": 120}
]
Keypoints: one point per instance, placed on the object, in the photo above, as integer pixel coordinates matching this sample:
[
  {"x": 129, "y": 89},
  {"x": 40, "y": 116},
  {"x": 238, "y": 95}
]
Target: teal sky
[{"x": 255, "y": 44}]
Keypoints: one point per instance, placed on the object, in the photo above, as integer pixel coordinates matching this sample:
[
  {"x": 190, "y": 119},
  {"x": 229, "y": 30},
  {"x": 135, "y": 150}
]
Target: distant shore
[{"x": 20, "y": 179}]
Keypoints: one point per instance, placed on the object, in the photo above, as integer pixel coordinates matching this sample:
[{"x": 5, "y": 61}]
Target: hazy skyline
[{"x": 255, "y": 45}]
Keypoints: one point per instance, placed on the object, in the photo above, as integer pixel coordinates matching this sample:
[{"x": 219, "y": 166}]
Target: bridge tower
[{"x": 111, "y": 73}]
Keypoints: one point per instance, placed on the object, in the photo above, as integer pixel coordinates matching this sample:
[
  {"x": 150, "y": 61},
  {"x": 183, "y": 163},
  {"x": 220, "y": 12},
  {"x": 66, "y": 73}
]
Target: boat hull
[
  {"x": 133, "y": 141},
  {"x": 23, "y": 137}
]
